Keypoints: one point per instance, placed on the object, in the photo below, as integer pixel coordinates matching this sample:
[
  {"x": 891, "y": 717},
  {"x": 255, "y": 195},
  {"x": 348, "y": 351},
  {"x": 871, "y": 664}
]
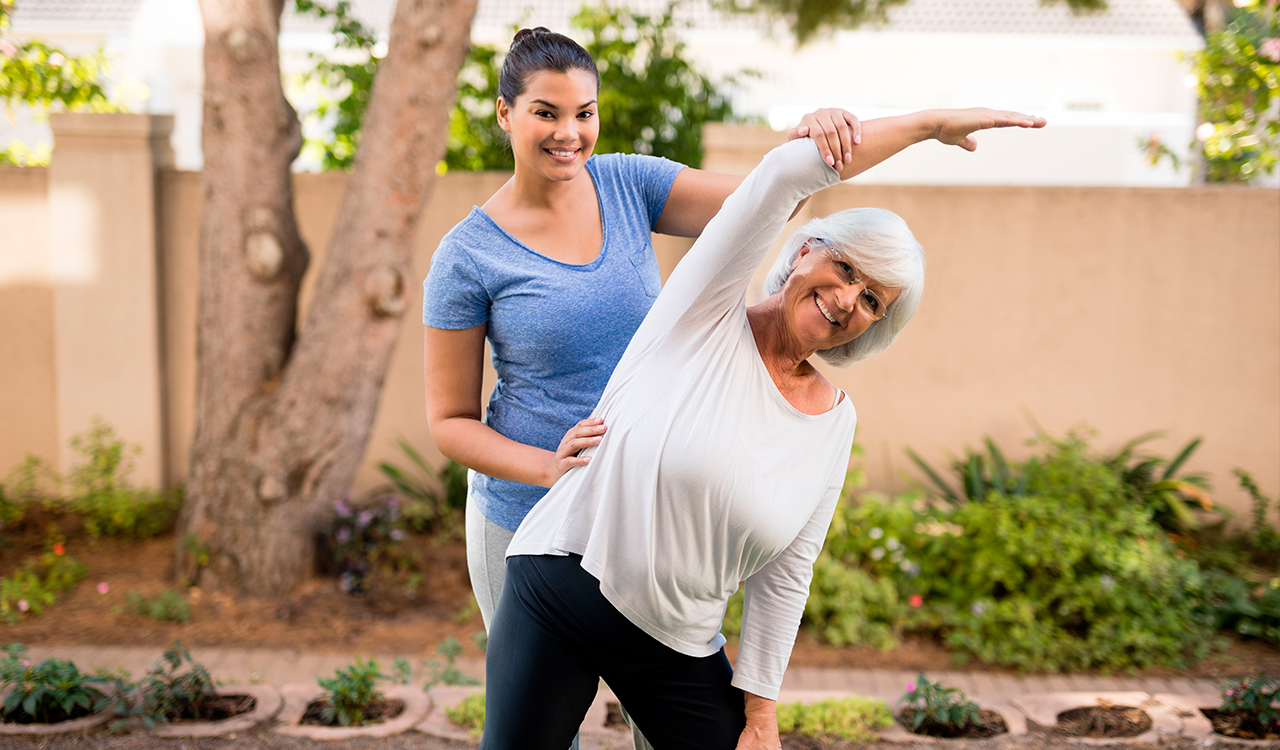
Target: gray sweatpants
[{"x": 487, "y": 544}]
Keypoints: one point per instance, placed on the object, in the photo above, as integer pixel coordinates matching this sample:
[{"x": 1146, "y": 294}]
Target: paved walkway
[{"x": 283, "y": 666}]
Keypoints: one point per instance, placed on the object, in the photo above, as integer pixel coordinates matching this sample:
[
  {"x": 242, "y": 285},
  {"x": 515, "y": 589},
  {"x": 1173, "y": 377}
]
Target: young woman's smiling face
[{"x": 554, "y": 124}]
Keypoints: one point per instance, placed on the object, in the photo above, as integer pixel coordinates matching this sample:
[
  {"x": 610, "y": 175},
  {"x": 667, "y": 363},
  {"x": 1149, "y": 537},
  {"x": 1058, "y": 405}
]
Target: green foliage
[
  {"x": 468, "y": 714},
  {"x": 46, "y": 693},
  {"x": 1153, "y": 481},
  {"x": 979, "y": 474},
  {"x": 944, "y": 707},
  {"x": 351, "y": 692},
  {"x": 1262, "y": 534},
  {"x": 1257, "y": 695},
  {"x": 652, "y": 99},
  {"x": 359, "y": 537},
  {"x": 1240, "y": 607},
  {"x": 853, "y": 718},
  {"x": 1238, "y": 81},
  {"x": 18, "y": 155},
  {"x": 428, "y": 496},
  {"x": 169, "y": 606},
  {"x": 810, "y": 19},
  {"x": 1071, "y": 575},
  {"x": 38, "y": 582},
  {"x": 448, "y": 672},
  {"x": 166, "y": 691},
  {"x": 401, "y": 671}
]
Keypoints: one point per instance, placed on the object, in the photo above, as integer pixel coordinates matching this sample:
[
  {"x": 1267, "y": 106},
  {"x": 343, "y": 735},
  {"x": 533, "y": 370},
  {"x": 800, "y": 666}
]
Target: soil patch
[
  {"x": 1103, "y": 722},
  {"x": 990, "y": 724},
  {"x": 55, "y": 715},
  {"x": 217, "y": 708},
  {"x": 1240, "y": 724},
  {"x": 377, "y": 712}
]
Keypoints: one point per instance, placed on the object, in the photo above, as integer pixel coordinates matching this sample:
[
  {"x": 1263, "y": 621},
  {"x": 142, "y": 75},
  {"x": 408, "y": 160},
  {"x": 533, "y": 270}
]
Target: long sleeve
[{"x": 774, "y": 603}]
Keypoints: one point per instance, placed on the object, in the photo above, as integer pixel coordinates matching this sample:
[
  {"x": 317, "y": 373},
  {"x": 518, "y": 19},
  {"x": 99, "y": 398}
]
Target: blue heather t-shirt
[{"x": 556, "y": 329}]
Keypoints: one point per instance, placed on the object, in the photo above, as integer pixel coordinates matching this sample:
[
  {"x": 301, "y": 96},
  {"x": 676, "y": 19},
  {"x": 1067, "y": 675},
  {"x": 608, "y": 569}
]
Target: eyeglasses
[{"x": 869, "y": 303}]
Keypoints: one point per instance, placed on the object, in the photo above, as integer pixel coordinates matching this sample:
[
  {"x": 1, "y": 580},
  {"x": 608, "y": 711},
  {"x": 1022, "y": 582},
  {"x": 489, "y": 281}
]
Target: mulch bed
[
  {"x": 1103, "y": 721},
  {"x": 377, "y": 712},
  {"x": 217, "y": 708},
  {"x": 1240, "y": 724},
  {"x": 992, "y": 723}
]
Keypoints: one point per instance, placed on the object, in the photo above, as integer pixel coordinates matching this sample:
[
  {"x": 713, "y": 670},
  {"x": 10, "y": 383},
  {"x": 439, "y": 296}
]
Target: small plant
[
  {"x": 100, "y": 492},
  {"x": 164, "y": 692},
  {"x": 468, "y": 714},
  {"x": 428, "y": 495},
  {"x": 929, "y": 701},
  {"x": 1261, "y": 532},
  {"x": 351, "y": 692},
  {"x": 448, "y": 673},
  {"x": 1255, "y": 697},
  {"x": 49, "y": 692},
  {"x": 38, "y": 582},
  {"x": 169, "y": 606},
  {"x": 854, "y": 718},
  {"x": 401, "y": 671},
  {"x": 357, "y": 538},
  {"x": 1154, "y": 482}
]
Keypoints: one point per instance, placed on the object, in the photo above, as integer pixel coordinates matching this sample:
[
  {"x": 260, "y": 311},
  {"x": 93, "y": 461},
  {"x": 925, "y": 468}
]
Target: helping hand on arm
[
  {"x": 454, "y": 367},
  {"x": 761, "y": 732}
]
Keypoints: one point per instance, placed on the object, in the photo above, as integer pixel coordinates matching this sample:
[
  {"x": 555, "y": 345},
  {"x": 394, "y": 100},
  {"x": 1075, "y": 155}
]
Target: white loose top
[{"x": 707, "y": 475}]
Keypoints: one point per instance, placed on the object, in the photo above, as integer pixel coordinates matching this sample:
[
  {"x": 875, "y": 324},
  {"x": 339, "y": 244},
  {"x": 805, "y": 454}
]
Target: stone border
[
  {"x": 1014, "y": 720},
  {"x": 1043, "y": 710},
  {"x": 268, "y": 704},
  {"x": 437, "y": 724},
  {"x": 1198, "y": 725},
  {"x": 297, "y": 697},
  {"x": 62, "y": 727}
]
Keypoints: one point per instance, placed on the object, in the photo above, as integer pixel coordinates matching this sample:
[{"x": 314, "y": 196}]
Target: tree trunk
[{"x": 282, "y": 416}]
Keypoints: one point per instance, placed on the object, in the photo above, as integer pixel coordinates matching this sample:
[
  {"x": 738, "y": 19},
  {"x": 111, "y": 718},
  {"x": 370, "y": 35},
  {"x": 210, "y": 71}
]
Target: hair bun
[{"x": 522, "y": 33}]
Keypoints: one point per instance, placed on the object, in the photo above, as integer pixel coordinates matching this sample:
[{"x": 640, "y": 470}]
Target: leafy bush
[
  {"x": 101, "y": 493},
  {"x": 447, "y": 673},
  {"x": 1261, "y": 533},
  {"x": 164, "y": 692},
  {"x": 168, "y": 606},
  {"x": 351, "y": 692},
  {"x": 38, "y": 582},
  {"x": 1256, "y": 696},
  {"x": 929, "y": 701},
  {"x": 356, "y": 538},
  {"x": 468, "y": 714},
  {"x": 1070, "y": 575},
  {"x": 428, "y": 495},
  {"x": 854, "y": 718},
  {"x": 52, "y": 691}
]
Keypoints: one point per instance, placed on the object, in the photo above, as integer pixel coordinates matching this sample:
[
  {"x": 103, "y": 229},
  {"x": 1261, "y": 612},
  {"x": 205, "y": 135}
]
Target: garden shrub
[
  {"x": 468, "y": 714},
  {"x": 853, "y": 718},
  {"x": 930, "y": 702},
  {"x": 1070, "y": 575},
  {"x": 358, "y": 537},
  {"x": 100, "y": 492},
  {"x": 52, "y": 691},
  {"x": 351, "y": 692},
  {"x": 164, "y": 692},
  {"x": 38, "y": 582}
]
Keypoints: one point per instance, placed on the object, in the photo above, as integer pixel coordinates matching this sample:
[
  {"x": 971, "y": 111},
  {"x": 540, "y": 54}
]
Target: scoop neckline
[
  {"x": 763, "y": 371},
  {"x": 604, "y": 229}
]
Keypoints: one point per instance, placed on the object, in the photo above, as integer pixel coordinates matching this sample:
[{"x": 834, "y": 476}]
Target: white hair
[{"x": 882, "y": 248}]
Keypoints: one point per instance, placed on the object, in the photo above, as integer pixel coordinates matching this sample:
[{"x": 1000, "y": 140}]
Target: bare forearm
[
  {"x": 478, "y": 446},
  {"x": 886, "y": 136}
]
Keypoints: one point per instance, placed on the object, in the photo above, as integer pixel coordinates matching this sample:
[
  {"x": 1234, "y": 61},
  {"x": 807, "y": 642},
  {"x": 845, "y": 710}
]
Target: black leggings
[{"x": 554, "y": 636}]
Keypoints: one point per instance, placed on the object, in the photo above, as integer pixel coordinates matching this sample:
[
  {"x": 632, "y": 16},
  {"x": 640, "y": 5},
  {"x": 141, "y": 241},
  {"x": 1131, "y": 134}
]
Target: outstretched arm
[{"x": 886, "y": 136}]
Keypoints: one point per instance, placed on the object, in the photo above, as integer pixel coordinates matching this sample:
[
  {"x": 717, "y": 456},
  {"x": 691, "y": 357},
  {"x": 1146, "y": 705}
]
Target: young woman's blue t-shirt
[{"x": 556, "y": 330}]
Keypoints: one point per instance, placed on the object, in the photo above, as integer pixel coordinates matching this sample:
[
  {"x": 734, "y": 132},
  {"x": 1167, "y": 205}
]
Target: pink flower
[
  {"x": 1270, "y": 49},
  {"x": 103, "y": 588},
  {"x": 26, "y": 662},
  {"x": 56, "y": 60},
  {"x": 916, "y": 600},
  {"x": 911, "y": 687},
  {"x": 23, "y": 606},
  {"x": 8, "y": 49}
]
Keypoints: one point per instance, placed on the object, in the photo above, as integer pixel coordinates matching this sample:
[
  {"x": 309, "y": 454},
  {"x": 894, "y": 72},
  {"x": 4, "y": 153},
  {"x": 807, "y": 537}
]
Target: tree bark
[{"x": 283, "y": 416}]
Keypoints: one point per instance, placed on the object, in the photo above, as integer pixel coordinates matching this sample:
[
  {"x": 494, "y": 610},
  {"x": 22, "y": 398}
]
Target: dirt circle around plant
[
  {"x": 1241, "y": 725},
  {"x": 76, "y": 724},
  {"x": 1103, "y": 722},
  {"x": 379, "y": 711},
  {"x": 217, "y": 708},
  {"x": 991, "y": 724}
]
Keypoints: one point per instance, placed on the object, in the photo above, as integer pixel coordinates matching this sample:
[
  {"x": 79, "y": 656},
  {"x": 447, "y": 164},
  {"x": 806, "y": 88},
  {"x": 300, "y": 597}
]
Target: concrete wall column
[{"x": 104, "y": 257}]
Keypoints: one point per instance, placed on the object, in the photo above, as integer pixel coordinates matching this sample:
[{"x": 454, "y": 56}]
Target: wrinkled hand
[
  {"x": 834, "y": 130},
  {"x": 955, "y": 126},
  {"x": 584, "y": 434},
  {"x": 760, "y": 737}
]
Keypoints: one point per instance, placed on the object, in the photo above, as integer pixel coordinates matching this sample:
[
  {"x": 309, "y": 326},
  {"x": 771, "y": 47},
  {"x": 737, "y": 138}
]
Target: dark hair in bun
[{"x": 539, "y": 49}]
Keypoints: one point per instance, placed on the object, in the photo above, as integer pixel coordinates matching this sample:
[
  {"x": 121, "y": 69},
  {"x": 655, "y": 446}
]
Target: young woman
[{"x": 557, "y": 271}]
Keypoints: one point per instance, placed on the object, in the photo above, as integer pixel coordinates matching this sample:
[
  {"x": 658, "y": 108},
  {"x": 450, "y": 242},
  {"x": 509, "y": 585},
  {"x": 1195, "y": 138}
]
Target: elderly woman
[{"x": 723, "y": 460}]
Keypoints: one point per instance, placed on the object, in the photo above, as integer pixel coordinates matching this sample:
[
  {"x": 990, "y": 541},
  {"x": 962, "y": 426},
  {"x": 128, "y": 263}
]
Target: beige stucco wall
[
  {"x": 28, "y": 395},
  {"x": 1127, "y": 309}
]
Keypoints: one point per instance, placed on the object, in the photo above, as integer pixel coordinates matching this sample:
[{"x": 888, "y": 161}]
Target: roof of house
[{"x": 1122, "y": 18}]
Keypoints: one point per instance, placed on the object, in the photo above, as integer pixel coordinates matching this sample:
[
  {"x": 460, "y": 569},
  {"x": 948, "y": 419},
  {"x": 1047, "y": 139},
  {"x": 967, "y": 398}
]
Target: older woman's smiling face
[{"x": 828, "y": 302}]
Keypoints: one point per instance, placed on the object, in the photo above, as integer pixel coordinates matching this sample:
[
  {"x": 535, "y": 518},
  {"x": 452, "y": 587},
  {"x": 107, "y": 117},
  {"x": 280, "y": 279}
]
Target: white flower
[
  {"x": 876, "y": 532},
  {"x": 877, "y": 553},
  {"x": 977, "y": 609},
  {"x": 56, "y": 60},
  {"x": 1108, "y": 582},
  {"x": 892, "y": 543}
]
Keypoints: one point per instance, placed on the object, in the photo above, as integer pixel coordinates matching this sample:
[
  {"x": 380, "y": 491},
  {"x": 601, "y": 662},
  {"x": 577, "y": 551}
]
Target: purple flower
[
  {"x": 396, "y": 535},
  {"x": 365, "y": 518},
  {"x": 344, "y": 535},
  {"x": 342, "y": 509}
]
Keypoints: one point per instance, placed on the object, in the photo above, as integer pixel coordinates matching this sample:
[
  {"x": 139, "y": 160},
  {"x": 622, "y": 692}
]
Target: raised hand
[
  {"x": 956, "y": 126},
  {"x": 834, "y": 130}
]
